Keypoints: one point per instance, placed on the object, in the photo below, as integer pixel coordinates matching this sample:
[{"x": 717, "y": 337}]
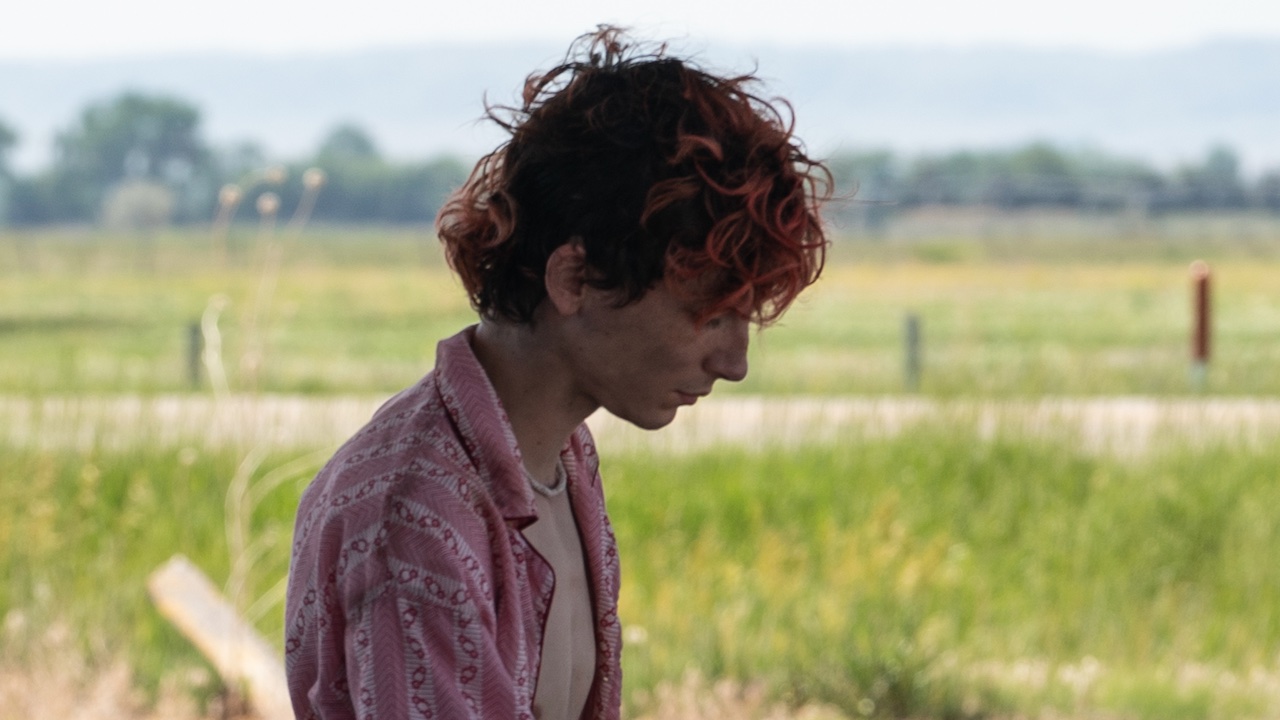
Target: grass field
[
  {"x": 934, "y": 574},
  {"x": 359, "y": 311},
  {"x": 941, "y": 571}
]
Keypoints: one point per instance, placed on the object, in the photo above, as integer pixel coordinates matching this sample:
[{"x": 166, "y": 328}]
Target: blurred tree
[
  {"x": 359, "y": 182},
  {"x": 1214, "y": 185},
  {"x": 1036, "y": 175},
  {"x": 1267, "y": 191},
  {"x": 113, "y": 162},
  {"x": 961, "y": 178},
  {"x": 239, "y": 161},
  {"x": 364, "y": 187},
  {"x": 1109, "y": 184},
  {"x": 8, "y": 138},
  {"x": 1040, "y": 175},
  {"x": 346, "y": 144},
  {"x": 133, "y": 137}
]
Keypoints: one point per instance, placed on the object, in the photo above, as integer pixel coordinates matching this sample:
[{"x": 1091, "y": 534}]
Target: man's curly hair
[{"x": 662, "y": 171}]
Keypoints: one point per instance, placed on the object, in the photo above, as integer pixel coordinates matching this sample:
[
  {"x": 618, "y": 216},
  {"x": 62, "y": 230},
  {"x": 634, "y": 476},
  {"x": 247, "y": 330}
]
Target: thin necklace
[{"x": 549, "y": 491}]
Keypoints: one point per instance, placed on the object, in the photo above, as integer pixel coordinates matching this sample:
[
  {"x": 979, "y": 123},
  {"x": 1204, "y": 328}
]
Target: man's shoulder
[
  {"x": 412, "y": 425},
  {"x": 408, "y": 451}
]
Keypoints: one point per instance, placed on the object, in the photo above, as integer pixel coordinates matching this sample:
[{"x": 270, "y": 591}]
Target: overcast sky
[{"x": 48, "y": 29}]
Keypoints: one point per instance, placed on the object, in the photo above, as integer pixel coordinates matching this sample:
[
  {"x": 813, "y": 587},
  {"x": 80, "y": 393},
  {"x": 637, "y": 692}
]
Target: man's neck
[{"x": 535, "y": 389}]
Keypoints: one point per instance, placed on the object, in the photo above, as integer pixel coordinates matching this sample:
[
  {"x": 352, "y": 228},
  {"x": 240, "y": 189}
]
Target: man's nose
[{"x": 729, "y": 361}]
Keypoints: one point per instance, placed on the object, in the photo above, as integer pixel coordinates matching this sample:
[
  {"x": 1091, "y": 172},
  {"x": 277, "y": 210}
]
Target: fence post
[
  {"x": 911, "y": 333},
  {"x": 195, "y": 347},
  {"x": 1201, "y": 325}
]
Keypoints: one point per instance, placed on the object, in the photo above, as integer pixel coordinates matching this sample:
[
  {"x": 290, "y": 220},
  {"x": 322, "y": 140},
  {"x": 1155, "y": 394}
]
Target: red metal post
[
  {"x": 1202, "y": 324},
  {"x": 1200, "y": 303}
]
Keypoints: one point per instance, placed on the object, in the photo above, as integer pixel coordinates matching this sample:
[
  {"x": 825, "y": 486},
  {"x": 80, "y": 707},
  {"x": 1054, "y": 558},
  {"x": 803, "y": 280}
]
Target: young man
[{"x": 454, "y": 559}]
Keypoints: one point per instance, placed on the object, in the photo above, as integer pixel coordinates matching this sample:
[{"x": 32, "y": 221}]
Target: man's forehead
[{"x": 712, "y": 294}]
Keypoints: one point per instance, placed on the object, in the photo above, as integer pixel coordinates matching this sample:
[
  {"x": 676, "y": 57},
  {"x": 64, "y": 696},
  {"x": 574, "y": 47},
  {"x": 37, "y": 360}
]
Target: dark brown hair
[{"x": 661, "y": 170}]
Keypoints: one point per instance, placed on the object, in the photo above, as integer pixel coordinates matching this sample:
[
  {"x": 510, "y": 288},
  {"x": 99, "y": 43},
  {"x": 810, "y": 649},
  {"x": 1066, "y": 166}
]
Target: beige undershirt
[{"x": 569, "y": 644}]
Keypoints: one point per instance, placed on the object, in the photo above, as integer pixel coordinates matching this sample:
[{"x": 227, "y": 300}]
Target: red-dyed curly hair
[{"x": 662, "y": 171}]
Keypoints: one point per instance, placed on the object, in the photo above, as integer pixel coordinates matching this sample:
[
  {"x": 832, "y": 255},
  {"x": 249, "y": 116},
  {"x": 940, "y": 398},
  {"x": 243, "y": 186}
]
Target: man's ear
[{"x": 566, "y": 277}]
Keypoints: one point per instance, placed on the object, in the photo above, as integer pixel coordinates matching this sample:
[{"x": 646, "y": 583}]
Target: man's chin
[{"x": 655, "y": 420}]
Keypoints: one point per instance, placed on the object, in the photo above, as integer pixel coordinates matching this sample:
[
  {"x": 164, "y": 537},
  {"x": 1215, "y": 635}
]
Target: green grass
[
  {"x": 929, "y": 575},
  {"x": 361, "y": 311},
  {"x": 347, "y": 313},
  {"x": 889, "y": 571},
  {"x": 81, "y": 532},
  {"x": 933, "y": 574},
  {"x": 1013, "y": 329}
]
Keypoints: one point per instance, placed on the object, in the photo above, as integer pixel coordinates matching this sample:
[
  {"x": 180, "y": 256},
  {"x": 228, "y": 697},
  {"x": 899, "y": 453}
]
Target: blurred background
[
  {"x": 1110, "y": 106},
  {"x": 1013, "y": 456}
]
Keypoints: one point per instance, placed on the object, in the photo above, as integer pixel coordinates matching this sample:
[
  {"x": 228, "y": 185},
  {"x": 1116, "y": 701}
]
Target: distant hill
[{"x": 1163, "y": 107}]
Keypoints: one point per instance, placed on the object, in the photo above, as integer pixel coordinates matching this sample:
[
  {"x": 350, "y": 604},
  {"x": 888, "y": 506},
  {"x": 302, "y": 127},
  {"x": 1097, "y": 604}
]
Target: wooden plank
[{"x": 243, "y": 658}]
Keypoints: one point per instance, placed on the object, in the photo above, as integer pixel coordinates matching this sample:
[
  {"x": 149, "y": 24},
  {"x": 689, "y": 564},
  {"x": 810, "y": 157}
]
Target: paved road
[{"x": 1121, "y": 425}]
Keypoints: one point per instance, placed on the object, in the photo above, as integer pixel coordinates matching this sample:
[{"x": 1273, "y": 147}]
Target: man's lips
[{"x": 689, "y": 398}]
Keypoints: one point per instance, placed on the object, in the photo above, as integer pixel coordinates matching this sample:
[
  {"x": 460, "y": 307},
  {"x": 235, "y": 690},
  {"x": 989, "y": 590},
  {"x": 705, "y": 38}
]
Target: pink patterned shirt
[{"x": 412, "y": 592}]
